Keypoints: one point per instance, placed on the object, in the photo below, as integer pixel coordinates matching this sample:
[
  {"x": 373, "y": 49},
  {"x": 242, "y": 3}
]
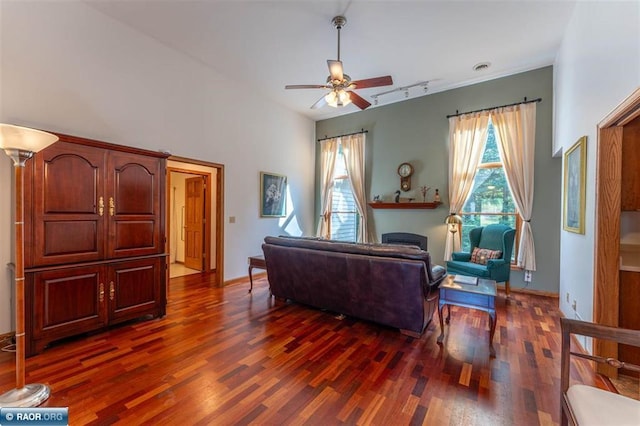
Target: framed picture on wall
[
  {"x": 575, "y": 164},
  {"x": 273, "y": 195}
]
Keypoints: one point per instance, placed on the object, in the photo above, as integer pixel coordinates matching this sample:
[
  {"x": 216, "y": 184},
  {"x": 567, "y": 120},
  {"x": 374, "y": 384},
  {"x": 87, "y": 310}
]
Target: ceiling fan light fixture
[{"x": 338, "y": 98}]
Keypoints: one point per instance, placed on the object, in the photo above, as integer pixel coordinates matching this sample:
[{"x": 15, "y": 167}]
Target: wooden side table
[
  {"x": 255, "y": 262},
  {"x": 481, "y": 296}
]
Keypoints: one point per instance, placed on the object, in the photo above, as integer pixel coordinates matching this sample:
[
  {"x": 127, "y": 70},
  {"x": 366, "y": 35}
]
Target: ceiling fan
[{"x": 340, "y": 84}]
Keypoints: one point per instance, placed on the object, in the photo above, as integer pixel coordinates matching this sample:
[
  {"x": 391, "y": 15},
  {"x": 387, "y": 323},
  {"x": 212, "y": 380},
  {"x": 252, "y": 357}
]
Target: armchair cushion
[{"x": 481, "y": 255}]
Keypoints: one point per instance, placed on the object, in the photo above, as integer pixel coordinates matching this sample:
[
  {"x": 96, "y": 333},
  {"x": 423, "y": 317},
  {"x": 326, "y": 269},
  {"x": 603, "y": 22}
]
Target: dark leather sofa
[{"x": 389, "y": 284}]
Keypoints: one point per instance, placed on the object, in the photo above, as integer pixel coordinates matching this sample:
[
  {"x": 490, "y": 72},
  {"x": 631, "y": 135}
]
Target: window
[
  {"x": 490, "y": 200},
  {"x": 343, "y": 225}
]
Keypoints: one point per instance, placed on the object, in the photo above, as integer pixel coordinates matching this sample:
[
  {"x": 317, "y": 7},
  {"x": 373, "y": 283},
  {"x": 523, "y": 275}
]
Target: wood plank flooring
[{"x": 226, "y": 356}]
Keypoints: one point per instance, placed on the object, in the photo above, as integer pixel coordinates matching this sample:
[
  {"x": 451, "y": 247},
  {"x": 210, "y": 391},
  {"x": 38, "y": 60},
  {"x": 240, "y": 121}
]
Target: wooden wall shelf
[{"x": 404, "y": 205}]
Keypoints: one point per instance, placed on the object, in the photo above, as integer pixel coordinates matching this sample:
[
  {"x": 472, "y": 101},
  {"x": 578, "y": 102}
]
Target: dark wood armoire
[{"x": 94, "y": 238}]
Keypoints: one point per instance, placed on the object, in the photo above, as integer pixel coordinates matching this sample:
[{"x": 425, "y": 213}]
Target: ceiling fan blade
[
  {"x": 359, "y": 101},
  {"x": 319, "y": 103},
  {"x": 373, "y": 82},
  {"x": 335, "y": 69},
  {"x": 305, "y": 86}
]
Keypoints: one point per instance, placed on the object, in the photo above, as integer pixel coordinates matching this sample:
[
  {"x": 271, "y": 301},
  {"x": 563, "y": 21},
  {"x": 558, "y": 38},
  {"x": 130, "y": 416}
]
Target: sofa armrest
[{"x": 461, "y": 256}]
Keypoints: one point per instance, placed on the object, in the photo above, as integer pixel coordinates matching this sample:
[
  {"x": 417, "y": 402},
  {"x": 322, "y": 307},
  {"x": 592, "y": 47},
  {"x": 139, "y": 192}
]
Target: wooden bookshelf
[{"x": 404, "y": 205}]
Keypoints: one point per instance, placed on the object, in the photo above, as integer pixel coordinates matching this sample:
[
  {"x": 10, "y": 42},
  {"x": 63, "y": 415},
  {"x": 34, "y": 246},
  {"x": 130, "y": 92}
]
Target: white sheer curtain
[
  {"x": 353, "y": 149},
  {"x": 467, "y": 138},
  {"x": 328, "y": 153},
  {"x": 516, "y": 136}
]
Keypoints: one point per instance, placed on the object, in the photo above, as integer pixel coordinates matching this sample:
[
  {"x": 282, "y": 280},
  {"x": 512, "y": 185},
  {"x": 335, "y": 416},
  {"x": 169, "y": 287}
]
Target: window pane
[
  {"x": 344, "y": 216},
  {"x": 491, "y": 154},
  {"x": 490, "y": 193}
]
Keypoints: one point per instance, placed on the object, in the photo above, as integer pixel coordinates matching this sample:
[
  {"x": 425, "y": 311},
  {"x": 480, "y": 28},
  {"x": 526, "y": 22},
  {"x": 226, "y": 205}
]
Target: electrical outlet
[
  {"x": 574, "y": 306},
  {"x": 232, "y": 219},
  {"x": 527, "y": 276},
  {"x": 567, "y": 297}
]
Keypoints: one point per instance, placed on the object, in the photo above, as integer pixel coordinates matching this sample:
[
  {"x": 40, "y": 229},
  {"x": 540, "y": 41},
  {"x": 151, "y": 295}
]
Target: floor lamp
[{"x": 20, "y": 143}]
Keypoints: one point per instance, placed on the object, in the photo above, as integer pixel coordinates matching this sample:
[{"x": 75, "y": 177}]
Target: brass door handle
[
  {"x": 101, "y": 206},
  {"x": 112, "y": 291},
  {"x": 112, "y": 206},
  {"x": 101, "y": 294}
]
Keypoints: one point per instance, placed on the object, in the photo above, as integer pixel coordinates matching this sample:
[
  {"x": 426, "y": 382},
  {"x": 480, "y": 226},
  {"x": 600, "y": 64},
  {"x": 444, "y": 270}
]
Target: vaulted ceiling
[{"x": 264, "y": 45}]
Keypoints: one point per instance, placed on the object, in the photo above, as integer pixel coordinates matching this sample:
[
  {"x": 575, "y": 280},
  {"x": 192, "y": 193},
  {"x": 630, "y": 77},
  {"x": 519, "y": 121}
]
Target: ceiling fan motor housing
[{"x": 339, "y": 21}]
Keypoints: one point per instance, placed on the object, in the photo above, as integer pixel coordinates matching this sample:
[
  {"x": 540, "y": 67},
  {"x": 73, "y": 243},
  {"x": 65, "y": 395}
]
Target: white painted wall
[
  {"x": 68, "y": 68},
  {"x": 597, "y": 67}
]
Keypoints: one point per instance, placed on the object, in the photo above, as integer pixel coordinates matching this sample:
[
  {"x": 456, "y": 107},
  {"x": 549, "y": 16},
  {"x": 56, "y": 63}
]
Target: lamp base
[{"x": 31, "y": 395}]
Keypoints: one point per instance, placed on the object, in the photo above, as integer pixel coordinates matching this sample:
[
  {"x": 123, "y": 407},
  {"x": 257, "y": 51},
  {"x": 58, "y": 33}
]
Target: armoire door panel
[
  {"x": 134, "y": 288},
  {"x": 70, "y": 185},
  {"x": 66, "y": 237},
  {"x": 68, "y": 301},
  {"x": 68, "y": 219},
  {"x": 135, "y": 186},
  {"x": 134, "y": 235},
  {"x": 134, "y": 183}
]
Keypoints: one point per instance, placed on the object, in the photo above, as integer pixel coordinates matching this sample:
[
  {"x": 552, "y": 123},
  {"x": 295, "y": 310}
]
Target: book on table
[{"x": 463, "y": 279}]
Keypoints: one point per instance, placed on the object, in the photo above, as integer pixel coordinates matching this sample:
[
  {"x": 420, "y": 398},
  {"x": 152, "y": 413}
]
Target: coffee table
[{"x": 481, "y": 296}]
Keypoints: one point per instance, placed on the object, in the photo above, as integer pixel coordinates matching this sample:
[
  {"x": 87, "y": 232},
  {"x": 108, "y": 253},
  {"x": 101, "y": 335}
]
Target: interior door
[{"x": 194, "y": 223}]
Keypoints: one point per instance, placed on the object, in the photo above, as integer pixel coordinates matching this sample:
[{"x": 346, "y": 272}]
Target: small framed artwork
[
  {"x": 273, "y": 195},
  {"x": 575, "y": 165}
]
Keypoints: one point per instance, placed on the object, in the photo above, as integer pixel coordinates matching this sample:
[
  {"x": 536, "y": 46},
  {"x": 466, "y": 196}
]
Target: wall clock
[{"x": 405, "y": 170}]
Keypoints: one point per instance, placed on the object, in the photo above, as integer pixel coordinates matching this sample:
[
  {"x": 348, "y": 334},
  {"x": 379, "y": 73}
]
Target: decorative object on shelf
[
  {"x": 424, "y": 190},
  {"x": 376, "y": 199},
  {"x": 436, "y": 197},
  {"x": 575, "y": 164},
  {"x": 453, "y": 221},
  {"x": 402, "y": 205},
  {"x": 20, "y": 143},
  {"x": 405, "y": 170},
  {"x": 397, "y": 198},
  {"x": 273, "y": 194}
]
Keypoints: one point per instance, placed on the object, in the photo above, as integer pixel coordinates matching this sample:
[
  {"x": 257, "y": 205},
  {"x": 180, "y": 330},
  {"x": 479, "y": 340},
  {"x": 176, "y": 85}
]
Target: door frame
[
  {"x": 606, "y": 286},
  {"x": 218, "y": 220}
]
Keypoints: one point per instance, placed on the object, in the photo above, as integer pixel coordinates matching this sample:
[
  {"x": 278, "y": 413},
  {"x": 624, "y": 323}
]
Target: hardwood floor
[{"x": 226, "y": 356}]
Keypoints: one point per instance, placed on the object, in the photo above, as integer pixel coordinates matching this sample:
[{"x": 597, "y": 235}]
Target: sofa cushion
[{"x": 480, "y": 255}]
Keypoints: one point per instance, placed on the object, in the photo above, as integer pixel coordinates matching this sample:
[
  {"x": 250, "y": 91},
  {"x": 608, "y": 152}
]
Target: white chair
[{"x": 587, "y": 405}]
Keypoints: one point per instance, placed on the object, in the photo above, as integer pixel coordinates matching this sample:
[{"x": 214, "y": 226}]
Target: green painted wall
[{"x": 416, "y": 130}]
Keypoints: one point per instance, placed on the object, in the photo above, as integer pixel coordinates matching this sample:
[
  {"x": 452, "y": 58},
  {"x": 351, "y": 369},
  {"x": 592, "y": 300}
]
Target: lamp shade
[
  {"x": 24, "y": 138},
  {"x": 453, "y": 221}
]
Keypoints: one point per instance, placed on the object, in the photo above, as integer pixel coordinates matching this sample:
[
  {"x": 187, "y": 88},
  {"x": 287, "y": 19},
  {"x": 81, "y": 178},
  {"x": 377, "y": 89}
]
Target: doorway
[
  {"x": 194, "y": 218},
  {"x": 614, "y": 131}
]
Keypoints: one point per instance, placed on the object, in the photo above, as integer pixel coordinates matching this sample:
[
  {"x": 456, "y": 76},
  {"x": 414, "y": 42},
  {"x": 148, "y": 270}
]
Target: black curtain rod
[
  {"x": 339, "y": 136},
  {"x": 496, "y": 107}
]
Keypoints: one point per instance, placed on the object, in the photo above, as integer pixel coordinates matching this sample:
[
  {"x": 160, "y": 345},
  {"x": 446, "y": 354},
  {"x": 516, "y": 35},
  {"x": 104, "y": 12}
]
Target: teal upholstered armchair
[{"x": 485, "y": 262}]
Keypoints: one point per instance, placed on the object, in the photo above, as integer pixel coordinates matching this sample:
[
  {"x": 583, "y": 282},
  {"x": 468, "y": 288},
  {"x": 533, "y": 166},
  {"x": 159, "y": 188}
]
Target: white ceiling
[{"x": 264, "y": 45}]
